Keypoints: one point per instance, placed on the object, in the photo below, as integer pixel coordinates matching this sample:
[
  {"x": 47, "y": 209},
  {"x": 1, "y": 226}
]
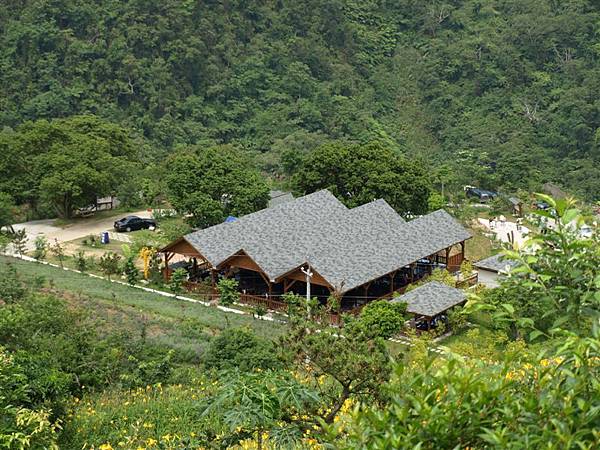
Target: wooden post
[
  {"x": 168, "y": 257},
  {"x": 166, "y": 275},
  {"x": 213, "y": 280},
  {"x": 287, "y": 284},
  {"x": 462, "y": 250},
  {"x": 392, "y": 276},
  {"x": 367, "y": 286}
]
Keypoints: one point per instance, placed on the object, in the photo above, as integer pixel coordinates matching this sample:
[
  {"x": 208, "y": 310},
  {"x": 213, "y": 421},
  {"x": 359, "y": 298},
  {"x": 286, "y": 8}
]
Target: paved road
[{"x": 75, "y": 230}]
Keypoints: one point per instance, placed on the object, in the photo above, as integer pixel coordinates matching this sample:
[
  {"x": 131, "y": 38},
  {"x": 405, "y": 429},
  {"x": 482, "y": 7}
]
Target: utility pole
[{"x": 309, "y": 275}]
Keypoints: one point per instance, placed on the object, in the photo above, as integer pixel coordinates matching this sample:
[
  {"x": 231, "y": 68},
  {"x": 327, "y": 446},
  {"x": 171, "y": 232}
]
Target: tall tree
[
  {"x": 210, "y": 184},
  {"x": 7, "y": 211},
  {"x": 358, "y": 174},
  {"x": 67, "y": 163}
]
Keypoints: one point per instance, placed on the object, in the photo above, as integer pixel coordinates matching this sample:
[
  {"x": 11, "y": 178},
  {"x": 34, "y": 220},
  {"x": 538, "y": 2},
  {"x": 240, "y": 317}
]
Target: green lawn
[
  {"x": 176, "y": 323},
  {"x": 179, "y": 324}
]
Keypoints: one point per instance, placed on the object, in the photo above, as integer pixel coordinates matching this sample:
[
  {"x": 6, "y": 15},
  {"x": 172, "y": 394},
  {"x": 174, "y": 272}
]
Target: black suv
[{"x": 132, "y": 223}]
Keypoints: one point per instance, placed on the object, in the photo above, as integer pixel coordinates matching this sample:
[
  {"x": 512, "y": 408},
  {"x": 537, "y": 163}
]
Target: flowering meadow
[{"x": 143, "y": 418}]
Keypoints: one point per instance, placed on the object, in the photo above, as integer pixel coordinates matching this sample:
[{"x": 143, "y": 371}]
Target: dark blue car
[{"x": 133, "y": 223}]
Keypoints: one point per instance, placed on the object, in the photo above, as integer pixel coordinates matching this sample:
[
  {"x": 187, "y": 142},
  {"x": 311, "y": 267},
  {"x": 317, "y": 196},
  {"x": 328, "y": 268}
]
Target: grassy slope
[
  {"x": 478, "y": 247},
  {"x": 179, "y": 324}
]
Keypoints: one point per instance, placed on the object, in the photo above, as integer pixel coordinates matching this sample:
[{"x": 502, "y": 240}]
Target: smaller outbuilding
[
  {"x": 517, "y": 206},
  {"x": 430, "y": 300},
  {"x": 492, "y": 268}
]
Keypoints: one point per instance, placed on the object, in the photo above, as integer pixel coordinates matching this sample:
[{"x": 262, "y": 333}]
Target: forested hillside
[{"x": 506, "y": 90}]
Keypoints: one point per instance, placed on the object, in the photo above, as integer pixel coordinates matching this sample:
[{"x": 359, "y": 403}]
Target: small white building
[{"x": 491, "y": 269}]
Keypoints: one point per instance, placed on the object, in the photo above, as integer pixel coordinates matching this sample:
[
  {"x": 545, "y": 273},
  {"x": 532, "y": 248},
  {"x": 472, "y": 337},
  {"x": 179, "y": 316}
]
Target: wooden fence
[
  {"x": 199, "y": 289},
  {"x": 469, "y": 281},
  {"x": 454, "y": 262},
  {"x": 266, "y": 302}
]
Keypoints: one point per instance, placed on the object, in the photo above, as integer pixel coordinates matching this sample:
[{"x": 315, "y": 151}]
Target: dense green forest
[{"x": 505, "y": 90}]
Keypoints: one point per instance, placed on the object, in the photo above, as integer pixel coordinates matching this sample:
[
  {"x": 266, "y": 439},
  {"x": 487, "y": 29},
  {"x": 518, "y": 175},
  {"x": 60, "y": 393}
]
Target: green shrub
[
  {"x": 457, "y": 319},
  {"x": 143, "y": 373},
  {"x": 81, "y": 261},
  {"x": 242, "y": 349},
  {"x": 381, "y": 318},
  {"x": 131, "y": 271},
  {"x": 12, "y": 288},
  {"x": 20, "y": 426},
  {"x": 110, "y": 264},
  {"x": 148, "y": 239},
  {"x": 58, "y": 250},
  {"x": 41, "y": 247},
  {"x": 171, "y": 229},
  {"x": 177, "y": 281},
  {"x": 91, "y": 241},
  {"x": 19, "y": 241},
  {"x": 466, "y": 403},
  {"x": 155, "y": 275},
  {"x": 228, "y": 291}
]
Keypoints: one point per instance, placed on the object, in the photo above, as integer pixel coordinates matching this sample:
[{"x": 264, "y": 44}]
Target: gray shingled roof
[
  {"x": 496, "y": 263},
  {"x": 431, "y": 299},
  {"x": 345, "y": 246},
  {"x": 515, "y": 201}
]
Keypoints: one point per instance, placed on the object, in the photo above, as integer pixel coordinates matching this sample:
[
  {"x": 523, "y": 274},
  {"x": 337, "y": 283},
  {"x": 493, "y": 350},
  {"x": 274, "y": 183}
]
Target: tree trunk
[
  {"x": 259, "y": 440},
  {"x": 338, "y": 405}
]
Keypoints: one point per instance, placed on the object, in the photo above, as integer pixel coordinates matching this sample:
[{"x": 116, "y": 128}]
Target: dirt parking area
[{"x": 75, "y": 230}]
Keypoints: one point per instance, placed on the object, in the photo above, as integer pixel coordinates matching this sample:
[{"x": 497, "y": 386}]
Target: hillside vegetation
[
  {"x": 504, "y": 89},
  {"x": 89, "y": 364}
]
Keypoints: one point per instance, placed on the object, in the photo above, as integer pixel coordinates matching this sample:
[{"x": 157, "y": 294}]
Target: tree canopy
[
  {"x": 209, "y": 184},
  {"x": 358, "y": 174},
  {"x": 502, "y": 90},
  {"x": 65, "y": 163}
]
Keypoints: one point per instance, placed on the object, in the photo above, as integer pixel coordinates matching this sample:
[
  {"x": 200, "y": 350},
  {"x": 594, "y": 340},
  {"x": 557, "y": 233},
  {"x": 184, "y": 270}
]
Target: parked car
[
  {"x": 132, "y": 223},
  {"x": 481, "y": 194}
]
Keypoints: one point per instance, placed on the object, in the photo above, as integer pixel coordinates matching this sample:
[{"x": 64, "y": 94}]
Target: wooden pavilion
[
  {"x": 430, "y": 300},
  {"x": 359, "y": 254}
]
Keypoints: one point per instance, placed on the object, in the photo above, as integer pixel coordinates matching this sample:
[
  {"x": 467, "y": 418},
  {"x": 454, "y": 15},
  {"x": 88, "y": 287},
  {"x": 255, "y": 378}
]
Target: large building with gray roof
[{"x": 359, "y": 253}]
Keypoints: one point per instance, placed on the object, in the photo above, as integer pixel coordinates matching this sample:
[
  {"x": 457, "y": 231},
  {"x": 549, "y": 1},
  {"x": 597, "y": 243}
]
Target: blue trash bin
[{"x": 104, "y": 239}]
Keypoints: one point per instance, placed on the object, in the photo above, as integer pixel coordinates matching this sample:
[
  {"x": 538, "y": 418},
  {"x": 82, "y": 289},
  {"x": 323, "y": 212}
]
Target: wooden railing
[
  {"x": 469, "y": 281},
  {"x": 267, "y": 302},
  {"x": 391, "y": 294}
]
